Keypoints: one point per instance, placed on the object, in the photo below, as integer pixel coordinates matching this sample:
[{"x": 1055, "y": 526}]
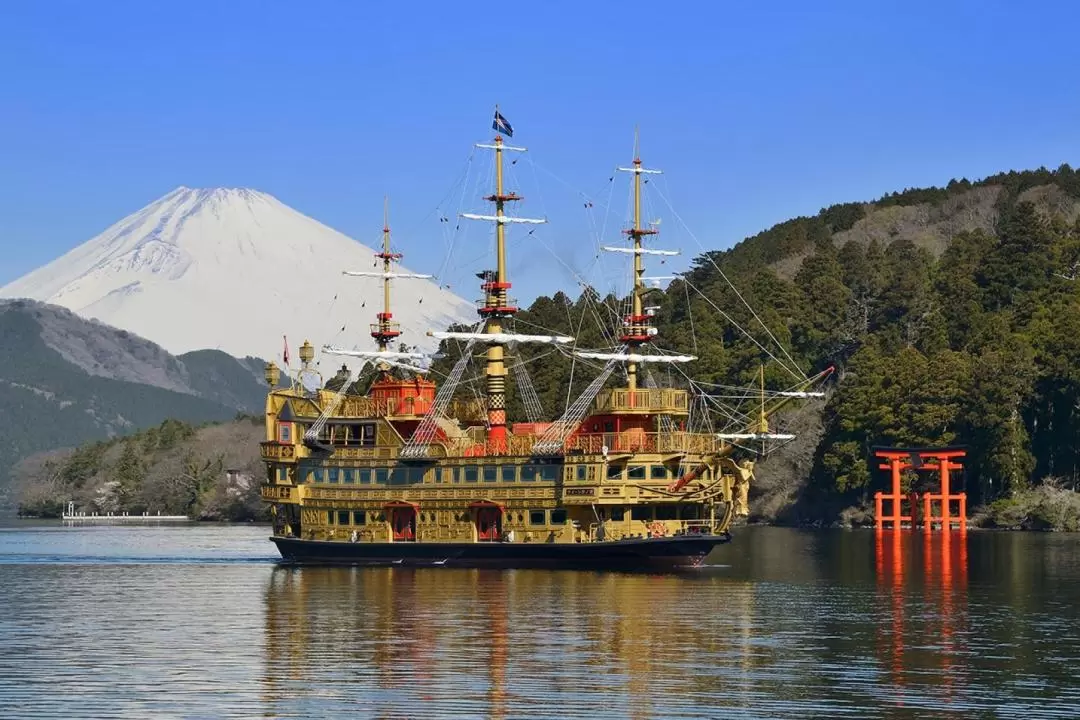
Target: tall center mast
[{"x": 497, "y": 304}]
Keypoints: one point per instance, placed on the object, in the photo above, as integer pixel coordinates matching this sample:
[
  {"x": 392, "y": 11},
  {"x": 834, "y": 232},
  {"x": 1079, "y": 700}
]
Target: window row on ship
[
  {"x": 412, "y": 475},
  {"x": 536, "y": 517}
]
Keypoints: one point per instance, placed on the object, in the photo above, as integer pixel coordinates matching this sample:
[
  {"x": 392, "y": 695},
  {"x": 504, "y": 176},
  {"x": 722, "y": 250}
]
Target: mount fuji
[{"x": 234, "y": 270}]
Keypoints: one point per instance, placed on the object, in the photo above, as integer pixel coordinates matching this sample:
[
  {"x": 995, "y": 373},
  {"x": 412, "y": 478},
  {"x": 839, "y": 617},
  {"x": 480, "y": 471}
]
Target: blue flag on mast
[{"x": 500, "y": 125}]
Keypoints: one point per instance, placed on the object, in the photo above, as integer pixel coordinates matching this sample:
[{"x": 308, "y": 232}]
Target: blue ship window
[
  {"x": 380, "y": 475},
  {"x": 329, "y": 517},
  {"x": 636, "y": 472},
  {"x": 614, "y": 472},
  {"x": 509, "y": 473},
  {"x": 348, "y": 476},
  {"x": 416, "y": 475},
  {"x": 641, "y": 512},
  {"x": 558, "y": 517},
  {"x": 549, "y": 472},
  {"x": 491, "y": 473},
  {"x": 282, "y": 475},
  {"x": 581, "y": 470},
  {"x": 528, "y": 473},
  {"x": 537, "y": 517},
  {"x": 618, "y": 512},
  {"x": 359, "y": 517},
  {"x": 333, "y": 475},
  {"x": 364, "y": 476},
  {"x": 319, "y": 475},
  {"x": 472, "y": 473},
  {"x": 658, "y": 472},
  {"x": 343, "y": 517}
]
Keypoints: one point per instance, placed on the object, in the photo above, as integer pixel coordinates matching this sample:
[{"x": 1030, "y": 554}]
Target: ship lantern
[
  {"x": 272, "y": 374},
  {"x": 307, "y": 352}
]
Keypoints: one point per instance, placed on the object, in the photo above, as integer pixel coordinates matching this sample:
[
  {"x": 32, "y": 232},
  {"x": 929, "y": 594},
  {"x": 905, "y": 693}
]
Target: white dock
[{"x": 110, "y": 518}]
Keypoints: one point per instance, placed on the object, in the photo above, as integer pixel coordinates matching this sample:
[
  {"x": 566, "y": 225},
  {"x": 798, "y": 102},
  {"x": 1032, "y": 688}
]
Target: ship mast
[
  {"x": 497, "y": 307},
  {"x": 636, "y": 331},
  {"x": 386, "y": 330}
]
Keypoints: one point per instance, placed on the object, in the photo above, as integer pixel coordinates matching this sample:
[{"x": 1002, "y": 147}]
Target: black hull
[{"x": 634, "y": 554}]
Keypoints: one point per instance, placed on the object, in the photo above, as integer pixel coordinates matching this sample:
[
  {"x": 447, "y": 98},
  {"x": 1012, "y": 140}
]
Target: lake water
[{"x": 153, "y": 622}]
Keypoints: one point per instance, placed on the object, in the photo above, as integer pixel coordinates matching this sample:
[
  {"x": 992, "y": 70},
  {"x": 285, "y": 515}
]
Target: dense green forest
[
  {"x": 209, "y": 472},
  {"x": 978, "y": 345}
]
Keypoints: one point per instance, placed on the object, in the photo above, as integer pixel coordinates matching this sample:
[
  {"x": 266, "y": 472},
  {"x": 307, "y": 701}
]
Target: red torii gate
[{"x": 944, "y": 460}]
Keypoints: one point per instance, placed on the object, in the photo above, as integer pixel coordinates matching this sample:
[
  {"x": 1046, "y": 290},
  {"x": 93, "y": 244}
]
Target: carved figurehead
[{"x": 744, "y": 473}]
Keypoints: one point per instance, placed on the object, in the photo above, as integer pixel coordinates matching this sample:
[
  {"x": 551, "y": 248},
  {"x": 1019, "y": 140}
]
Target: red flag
[{"x": 285, "y": 355}]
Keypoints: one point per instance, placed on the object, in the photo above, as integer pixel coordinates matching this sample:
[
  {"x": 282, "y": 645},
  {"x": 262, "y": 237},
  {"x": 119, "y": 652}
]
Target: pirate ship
[{"x": 405, "y": 474}]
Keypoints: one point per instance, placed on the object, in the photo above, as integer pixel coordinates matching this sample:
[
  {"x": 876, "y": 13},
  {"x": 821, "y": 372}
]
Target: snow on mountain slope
[{"x": 234, "y": 270}]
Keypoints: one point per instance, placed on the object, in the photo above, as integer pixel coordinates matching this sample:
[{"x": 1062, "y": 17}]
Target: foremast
[{"x": 638, "y": 330}]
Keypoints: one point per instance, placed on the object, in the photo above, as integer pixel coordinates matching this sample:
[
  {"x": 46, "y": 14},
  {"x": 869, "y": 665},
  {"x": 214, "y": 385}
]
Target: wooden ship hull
[{"x": 656, "y": 554}]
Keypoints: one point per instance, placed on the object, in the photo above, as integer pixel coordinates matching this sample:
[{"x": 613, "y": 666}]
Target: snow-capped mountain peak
[{"x": 232, "y": 269}]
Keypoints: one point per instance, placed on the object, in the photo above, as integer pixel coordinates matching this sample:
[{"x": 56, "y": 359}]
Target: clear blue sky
[{"x": 757, "y": 111}]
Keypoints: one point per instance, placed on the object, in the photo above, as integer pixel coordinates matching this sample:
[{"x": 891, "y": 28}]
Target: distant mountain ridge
[
  {"x": 233, "y": 269},
  {"x": 65, "y": 381},
  {"x": 929, "y": 217}
]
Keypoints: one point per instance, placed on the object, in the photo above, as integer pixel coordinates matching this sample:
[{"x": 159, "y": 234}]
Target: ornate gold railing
[
  {"x": 592, "y": 444},
  {"x": 356, "y": 406},
  {"x": 472, "y": 410},
  {"x": 642, "y": 442},
  {"x": 657, "y": 400},
  {"x": 274, "y": 450}
]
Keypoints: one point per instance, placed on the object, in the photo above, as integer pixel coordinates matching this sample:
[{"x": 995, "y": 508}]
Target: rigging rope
[
  {"x": 313, "y": 432},
  {"x": 738, "y": 294},
  {"x": 417, "y": 445},
  {"x": 666, "y": 423},
  {"x": 552, "y": 441},
  {"x": 533, "y": 409}
]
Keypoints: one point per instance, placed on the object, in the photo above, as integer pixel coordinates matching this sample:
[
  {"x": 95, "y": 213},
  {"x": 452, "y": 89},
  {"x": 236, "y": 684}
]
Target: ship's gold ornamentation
[{"x": 405, "y": 474}]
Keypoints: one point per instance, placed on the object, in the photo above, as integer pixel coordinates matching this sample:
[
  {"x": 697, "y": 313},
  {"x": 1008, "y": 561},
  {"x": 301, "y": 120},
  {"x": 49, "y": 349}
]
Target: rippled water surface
[{"x": 151, "y": 622}]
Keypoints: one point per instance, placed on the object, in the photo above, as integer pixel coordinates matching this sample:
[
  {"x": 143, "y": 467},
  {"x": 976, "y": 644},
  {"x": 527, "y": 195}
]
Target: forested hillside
[
  {"x": 65, "y": 380},
  {"x": 209, "y": 472},
  {"x": 951, "y": 314}
]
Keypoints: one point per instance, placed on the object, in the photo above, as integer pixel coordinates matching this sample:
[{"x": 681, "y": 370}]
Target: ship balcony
[
  {"x": 472, "y": 411},
  {"x": 274, "y": 450},
  {"x": 638, "y": 441},
  {"x": 392, "y": 330},
  {"x": 357, "y": 406},
  {"x": 652, "y": 401},
  {"x": 508, "y": 306}
]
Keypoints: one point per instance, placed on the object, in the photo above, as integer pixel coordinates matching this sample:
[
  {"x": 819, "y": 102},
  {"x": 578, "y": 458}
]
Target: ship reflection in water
[
  {"x": 501, "y": 643},
  {"x": 806, "y": 624}
]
